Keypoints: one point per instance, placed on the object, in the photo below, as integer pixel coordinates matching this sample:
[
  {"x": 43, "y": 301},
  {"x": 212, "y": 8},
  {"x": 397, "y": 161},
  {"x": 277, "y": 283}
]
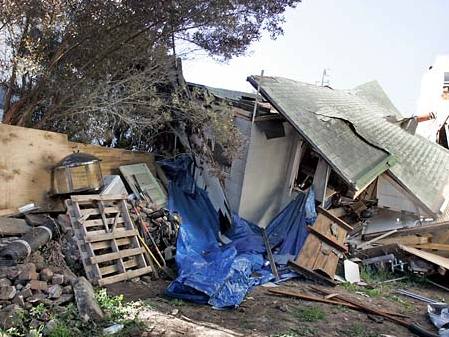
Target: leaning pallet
[
  {"x": 106, "y": 237},
  {"x": 322, "y": 249}
]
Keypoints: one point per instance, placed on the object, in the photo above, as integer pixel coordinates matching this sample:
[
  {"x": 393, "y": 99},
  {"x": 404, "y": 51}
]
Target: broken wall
[{"x": 265, "y": 187}]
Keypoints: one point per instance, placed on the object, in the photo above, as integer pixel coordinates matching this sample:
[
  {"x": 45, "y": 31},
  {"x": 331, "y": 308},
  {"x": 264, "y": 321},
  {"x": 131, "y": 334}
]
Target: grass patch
[
  {"x": 359, "y": 330},
  {"x": 407, "y": 306},
  {"x": 309, "y": 314},
  {"x": 60, "y": 330},
  {"x": 371, "y": 292}
]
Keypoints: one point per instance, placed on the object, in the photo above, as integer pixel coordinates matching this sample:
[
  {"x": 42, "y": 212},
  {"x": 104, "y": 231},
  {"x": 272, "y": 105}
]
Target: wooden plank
[
  {"x": 117, "y": 255},
  {"x": 98, "y": 222},
  {"x": 433, "y": 258},
  {"x": 332, "y": 217},
  {"x": 88, "y": 198},
  {"x": 288, "y": 292},
  {"x": 95, "y": 211},
  {"x": 408, "y": 240},
  {"x": 368, "y": 243},
  {"x": 109, "y": 236},
  {"x": 12, "y": 226},
  {"x": 124, "y": 276},
  {"x": 9, "y": 212},
  {"x": 433, "y": 246},
  {"x": 308, "y": 253},
  {"x": 107, "y": 244},
  {"x": 114, "y": 268},
  {"x": 112, "y": 159},
  {"x": 326, "y": 239},
  {"x": 311, "y": 274},
  {"x": 28, "y": 156}
]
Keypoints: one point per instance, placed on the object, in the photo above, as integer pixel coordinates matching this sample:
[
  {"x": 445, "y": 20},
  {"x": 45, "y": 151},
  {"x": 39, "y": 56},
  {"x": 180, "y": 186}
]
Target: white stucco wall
[{"x": 264, "y": 191}]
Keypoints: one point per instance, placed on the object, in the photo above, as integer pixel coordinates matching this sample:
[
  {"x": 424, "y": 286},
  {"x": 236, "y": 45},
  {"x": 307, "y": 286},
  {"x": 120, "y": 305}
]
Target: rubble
[
  {"x": 7, "y": 292},
  {"x": 8, "y": 315},
  {"x": 86, "y": 303}
]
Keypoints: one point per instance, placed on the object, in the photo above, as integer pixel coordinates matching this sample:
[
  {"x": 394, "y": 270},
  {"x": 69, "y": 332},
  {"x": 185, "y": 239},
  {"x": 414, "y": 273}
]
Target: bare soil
[{"x": 266, "y": 314}]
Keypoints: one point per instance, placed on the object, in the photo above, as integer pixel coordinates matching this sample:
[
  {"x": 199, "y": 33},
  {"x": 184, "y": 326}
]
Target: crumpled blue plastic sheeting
[
  {"x": 217, "y": 274},
  {"x": 286, "y": 233}
]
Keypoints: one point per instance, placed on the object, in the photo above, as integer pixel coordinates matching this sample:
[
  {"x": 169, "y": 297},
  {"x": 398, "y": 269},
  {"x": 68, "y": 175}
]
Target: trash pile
[{"x": 82, "y": 229}]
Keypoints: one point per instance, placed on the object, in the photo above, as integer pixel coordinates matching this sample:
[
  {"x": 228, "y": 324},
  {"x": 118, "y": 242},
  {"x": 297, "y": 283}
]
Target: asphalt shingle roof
[{"x": 354, "y": 132}]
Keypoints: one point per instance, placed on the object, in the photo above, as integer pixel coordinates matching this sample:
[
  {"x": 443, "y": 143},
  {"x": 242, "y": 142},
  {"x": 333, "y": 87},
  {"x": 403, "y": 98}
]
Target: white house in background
[
  {"x": 2, "y": 97},
  {"x": 434, "y": 98}
]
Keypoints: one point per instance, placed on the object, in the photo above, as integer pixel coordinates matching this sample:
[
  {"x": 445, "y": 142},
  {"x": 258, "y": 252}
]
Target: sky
[{"x": 391, "y": 41}]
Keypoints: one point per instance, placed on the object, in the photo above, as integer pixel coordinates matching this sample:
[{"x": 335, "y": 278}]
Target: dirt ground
[{"x": 266, "y": 314}]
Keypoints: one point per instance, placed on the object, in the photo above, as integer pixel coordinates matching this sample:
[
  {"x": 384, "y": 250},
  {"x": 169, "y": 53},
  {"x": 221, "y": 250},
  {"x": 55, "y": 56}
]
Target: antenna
[{"x": 325, "y": 78}]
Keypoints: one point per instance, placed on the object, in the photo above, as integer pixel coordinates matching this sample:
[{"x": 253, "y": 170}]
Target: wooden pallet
[
  {"x": 106, "y": 238},
  {"x": 323, "y": 247}
]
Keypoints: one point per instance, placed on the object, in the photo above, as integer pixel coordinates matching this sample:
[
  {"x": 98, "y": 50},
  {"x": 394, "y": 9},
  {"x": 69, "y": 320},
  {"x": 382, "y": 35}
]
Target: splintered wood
[
  {"x": 323, "y": 247},
  {"x": 106, "y": 238}
]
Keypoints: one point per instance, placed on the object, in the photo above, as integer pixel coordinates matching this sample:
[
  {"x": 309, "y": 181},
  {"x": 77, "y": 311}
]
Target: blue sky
[{"x": 392, "y": 41}]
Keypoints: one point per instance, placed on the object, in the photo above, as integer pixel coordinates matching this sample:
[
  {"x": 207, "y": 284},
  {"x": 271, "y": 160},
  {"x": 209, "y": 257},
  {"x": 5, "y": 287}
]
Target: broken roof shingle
[{"x": 351, "y": 131}]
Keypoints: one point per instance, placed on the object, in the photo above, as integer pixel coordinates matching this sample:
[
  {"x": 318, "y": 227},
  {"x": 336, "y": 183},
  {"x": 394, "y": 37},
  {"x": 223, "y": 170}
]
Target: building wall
[
  {"x": 265, "y": 188},
  {"x": 234, "y": 181},
  {"x": 392, "y": 196}
]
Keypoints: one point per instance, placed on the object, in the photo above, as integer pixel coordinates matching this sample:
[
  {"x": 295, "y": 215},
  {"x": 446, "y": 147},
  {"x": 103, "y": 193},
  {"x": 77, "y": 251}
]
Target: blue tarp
[{"x": 217, "y": 274}]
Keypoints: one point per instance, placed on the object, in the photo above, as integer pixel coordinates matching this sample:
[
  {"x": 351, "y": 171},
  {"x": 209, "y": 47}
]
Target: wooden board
[
  {"x": 323, "y": 246},
  {"x": 430, "y": 257},
  {"x": 27, "y": 157}
]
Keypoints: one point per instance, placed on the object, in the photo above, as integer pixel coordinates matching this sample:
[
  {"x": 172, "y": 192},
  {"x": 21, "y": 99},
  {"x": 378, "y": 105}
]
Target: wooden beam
[
  {"x": 308, "y": 273},
  {"x": 328, "y": 240},
  {"x": 433, "y": 246},
  {"x": 332, "y": 217}
]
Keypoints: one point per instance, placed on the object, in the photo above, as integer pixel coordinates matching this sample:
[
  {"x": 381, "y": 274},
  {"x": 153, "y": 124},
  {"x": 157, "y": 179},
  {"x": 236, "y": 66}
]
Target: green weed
[
  {"x": 309, "y": 314},
  {"x": 113, "y": 305},
  {"x": 60, "y": 330},
  {"x": 359, "y": 330}
]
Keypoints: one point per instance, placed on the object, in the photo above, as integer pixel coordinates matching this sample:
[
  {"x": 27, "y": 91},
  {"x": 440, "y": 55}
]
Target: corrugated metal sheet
[{"x": 351, "y": 130}]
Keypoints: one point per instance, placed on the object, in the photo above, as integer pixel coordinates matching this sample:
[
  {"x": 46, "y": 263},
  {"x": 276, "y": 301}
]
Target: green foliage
[
  {"x": 60, "y": 330},
  {"x": 309, "y": 314},
  {"x": 359, "y": 330},
  {"x": 103, "y": 71},
  {"x": 112, "y": 305},
  {"x": 38, "y": 311}
]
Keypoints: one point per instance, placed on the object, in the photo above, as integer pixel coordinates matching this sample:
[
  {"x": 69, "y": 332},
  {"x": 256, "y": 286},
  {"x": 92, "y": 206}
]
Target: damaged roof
[{"x": 356, "y": 131}]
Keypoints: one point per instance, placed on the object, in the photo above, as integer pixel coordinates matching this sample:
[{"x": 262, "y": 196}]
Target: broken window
[{"x": 306, "y": 162}]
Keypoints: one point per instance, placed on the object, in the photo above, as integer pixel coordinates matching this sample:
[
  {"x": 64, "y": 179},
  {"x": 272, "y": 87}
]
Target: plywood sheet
[{"x": 27, "y": 157}]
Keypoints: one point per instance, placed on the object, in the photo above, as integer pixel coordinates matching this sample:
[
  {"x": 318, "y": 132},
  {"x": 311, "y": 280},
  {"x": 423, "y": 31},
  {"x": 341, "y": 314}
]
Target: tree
[{"x": 105, "y": 71}]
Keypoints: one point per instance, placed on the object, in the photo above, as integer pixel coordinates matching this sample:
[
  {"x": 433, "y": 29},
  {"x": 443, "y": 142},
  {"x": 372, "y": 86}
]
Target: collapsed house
[{"x": 351, "y": 143}]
